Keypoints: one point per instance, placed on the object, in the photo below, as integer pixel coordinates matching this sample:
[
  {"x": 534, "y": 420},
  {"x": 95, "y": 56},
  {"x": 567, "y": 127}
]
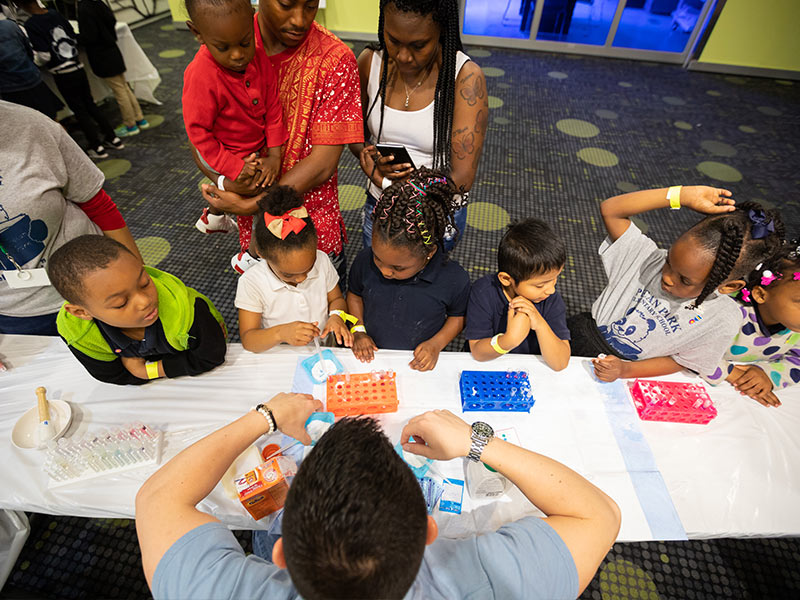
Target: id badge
[{"x": 26, "y": 278}]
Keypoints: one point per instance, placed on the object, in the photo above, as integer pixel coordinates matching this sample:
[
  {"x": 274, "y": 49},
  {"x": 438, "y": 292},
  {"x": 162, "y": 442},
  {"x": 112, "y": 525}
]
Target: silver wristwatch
[
  {"x": 266, "y": 411},
  {"x": 482, "y": 433}
]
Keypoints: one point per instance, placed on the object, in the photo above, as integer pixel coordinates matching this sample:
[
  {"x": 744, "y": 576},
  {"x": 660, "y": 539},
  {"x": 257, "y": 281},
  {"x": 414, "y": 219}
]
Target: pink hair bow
[{"x": 289, "y": 222}]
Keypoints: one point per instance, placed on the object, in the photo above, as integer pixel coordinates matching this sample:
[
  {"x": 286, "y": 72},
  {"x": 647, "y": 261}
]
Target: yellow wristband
[
  {"x": 358, "y": 329},
  {"x": 496, "y": 345},
  {"x": 674, "y": 197},
  {"x": 152, "y": 370},
  {"x": 347, "y": 318}
]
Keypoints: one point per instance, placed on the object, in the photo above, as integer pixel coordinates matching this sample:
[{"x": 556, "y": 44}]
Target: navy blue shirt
[
  {"x": 400, "y": 314},
  {"x": 487, "y": 314},
  {"x": 17, "y": 70}
]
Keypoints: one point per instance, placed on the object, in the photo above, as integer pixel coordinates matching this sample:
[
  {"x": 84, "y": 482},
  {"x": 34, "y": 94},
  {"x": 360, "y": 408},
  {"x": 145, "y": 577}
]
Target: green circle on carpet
[
  {"x": 202, "y": 182},
  {"x": 493, "y": 72},
  {"x": 627, "y": 186},
  {"x": 719, "y": 171},
  {"x": 503, "y": 86},
  {"x": 683, "y": 125},
  {"x": 718, "y": 148},
  {"x": 736, "y": 79},
  {"x": 502, "y": 120},
  {"x": 557, "y": 75},
  {"x": 606, "y": 114},
  {"x": 598, "y": 157},
  {"x": 784, "y": 82},
  {"x": 674, "y": 100},
  {"x": 714, "y": 93},
  {"x": 577, "y": 128},
  {"x": 625, "y": 84},
  {"x": 495, "y": 102},
  {"x": 145, "y": 45},
  {"x": 747, "y": 129},
  {"x": 163, "y": 70},
  {"x": 172, "y": 53},
  {"x": 487, "y": 216},
  {"x": 167, "y": 28},
  {"x": 153, "y": 249},
  {"x": 769, "y": 111},
  {"x": 479, "y": 53},
  {"x": 154, "y": 120},
  {"x": 349, "y": 45},
  {"x": 351, "y": 197},
  {"x": 114, "y": 167},
  {"x": 623, "y": 579}
]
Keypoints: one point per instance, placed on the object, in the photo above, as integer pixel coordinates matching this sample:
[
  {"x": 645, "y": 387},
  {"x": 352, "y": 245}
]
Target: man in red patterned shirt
[{"x": 319, "y": 90}]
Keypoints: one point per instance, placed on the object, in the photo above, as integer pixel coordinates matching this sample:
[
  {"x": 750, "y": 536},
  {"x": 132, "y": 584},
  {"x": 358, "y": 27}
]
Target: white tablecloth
[
  {"x": 140, "y": 72},
  {"x": 737, "y": 476}
]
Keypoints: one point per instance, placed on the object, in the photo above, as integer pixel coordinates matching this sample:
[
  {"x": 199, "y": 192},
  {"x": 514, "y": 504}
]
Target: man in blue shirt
[{"x": 355, "y": 523}]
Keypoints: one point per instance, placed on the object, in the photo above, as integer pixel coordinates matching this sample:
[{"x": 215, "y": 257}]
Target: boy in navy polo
[{"x": 518, "y": 309}]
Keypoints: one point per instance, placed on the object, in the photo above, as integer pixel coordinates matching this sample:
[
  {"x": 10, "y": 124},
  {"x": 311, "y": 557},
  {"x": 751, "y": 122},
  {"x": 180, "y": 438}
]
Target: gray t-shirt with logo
[
  {"x": 44, "y": 175},
  {"x": 640, "y": 320}
]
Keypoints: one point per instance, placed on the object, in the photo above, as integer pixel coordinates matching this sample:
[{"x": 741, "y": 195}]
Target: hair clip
[
  {"x": 768, "y": 277},
  {"x": 420, "y": 190},
  {"x": 762, "y": 225},
  {"x": 289, "y": 222},
  {"x": 796, "y": 276},
  {"x": 746, "y": 295}
]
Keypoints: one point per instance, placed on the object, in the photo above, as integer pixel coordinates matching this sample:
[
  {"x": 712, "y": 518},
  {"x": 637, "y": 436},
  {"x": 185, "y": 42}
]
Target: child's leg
[
  {"x": 120, "y": 89},
  {"x": 105, "y": 127},
  {"x": 69, "y": 85}
]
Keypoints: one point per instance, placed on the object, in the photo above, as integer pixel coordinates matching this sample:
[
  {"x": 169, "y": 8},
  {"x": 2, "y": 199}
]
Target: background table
[
  {"x": 140, "y": 73},
  {"x": 737, "y": 476}
]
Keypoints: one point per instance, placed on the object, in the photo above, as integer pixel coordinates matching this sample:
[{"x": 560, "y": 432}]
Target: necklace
[{"x": 415, "y": 88}]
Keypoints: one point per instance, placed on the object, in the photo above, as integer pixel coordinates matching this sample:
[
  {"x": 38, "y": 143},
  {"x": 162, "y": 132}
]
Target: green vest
[{"x": 175, "y": 310}]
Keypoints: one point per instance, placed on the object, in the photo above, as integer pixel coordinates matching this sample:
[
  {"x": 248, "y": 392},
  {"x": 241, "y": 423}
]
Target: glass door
[{"x": 660, "y": 30}]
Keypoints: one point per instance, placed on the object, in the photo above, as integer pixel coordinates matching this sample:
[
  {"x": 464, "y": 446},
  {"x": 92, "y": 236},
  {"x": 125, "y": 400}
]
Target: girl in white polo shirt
[{"x": 293, "y": 291}]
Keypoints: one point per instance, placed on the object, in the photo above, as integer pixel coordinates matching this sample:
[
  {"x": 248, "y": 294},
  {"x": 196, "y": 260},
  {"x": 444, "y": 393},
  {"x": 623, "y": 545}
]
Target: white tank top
[{"x": 411, "y": 128}]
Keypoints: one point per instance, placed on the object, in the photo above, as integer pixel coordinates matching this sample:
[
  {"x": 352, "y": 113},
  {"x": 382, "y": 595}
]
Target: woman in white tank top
[{"x": 428, "y": 96}]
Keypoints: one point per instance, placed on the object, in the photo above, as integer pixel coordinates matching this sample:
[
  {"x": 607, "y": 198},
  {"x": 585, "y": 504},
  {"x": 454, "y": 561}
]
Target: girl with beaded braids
[
  {"x": 764, "y": 357},
  {"x": 419, "y": 90},
  {"x": 403, "y": 291},
  {"x": 666, "y": 310}
]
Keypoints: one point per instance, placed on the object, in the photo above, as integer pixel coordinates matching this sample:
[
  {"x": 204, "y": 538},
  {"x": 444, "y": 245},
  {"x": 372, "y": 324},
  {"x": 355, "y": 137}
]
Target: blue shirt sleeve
[
  {"x": 458, "y": 302},
  {"x": 555, "y": 314},
  {"x": 480, "y": 312},
  {"x": 208, "y": 562},
  {"x": 526, "y": 559},
  {"x": 356, "y": 279}
]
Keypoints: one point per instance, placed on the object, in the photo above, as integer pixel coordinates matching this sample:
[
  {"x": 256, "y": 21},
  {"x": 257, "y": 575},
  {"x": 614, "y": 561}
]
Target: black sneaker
[
  {"x": 116, "y": 143},
  {"x": 97, "y": 152}
]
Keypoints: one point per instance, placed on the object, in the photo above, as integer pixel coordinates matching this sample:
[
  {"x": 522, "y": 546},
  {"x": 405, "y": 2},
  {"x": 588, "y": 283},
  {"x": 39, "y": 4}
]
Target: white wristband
[
  {"x": 221, "y": 182},
  {"x": 386, "y": 183}
]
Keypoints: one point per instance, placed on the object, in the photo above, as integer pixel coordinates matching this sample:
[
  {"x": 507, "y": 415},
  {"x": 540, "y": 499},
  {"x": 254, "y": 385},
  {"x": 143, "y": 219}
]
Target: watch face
[{"x": 482, "y": 429}]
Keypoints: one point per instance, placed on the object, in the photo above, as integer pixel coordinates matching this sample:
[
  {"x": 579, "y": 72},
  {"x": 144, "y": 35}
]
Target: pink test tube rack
[{"x": 672, "y": 401}]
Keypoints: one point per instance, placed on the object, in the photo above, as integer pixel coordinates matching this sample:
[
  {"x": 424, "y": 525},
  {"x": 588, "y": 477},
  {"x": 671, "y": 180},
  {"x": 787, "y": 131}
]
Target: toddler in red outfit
[{"x": 230, "y": 105}]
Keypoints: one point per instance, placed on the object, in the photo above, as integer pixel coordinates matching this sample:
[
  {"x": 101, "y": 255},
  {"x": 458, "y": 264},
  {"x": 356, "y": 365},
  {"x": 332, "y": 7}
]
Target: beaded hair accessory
[{"x": 414, "y": 217}]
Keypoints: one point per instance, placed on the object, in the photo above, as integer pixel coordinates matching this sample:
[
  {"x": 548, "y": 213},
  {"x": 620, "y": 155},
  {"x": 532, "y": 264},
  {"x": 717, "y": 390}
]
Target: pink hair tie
[
  {"x": 745, "y": 294},
  {"x": 796, "y": 276},
  {"x": 768, "y": 277}
]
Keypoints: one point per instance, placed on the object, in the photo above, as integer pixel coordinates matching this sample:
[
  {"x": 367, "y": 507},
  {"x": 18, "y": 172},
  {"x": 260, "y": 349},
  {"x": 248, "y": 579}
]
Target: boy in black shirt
[{"x": 128, "y": 323}]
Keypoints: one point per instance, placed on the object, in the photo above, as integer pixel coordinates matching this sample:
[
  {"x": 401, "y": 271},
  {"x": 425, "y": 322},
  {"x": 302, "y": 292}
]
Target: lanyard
[{"x": 22, "y": 274}]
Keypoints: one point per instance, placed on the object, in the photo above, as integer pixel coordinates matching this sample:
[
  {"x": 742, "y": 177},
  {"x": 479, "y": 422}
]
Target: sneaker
[
  {"x": 243, "y": 261},
  {"x": 116, "y": 143},
  {"x": 124, "y": 131},
  {"x": 97, "y": 152},
  {"x": 208, "y": 223},
  {"x": 143, "y": 124}
]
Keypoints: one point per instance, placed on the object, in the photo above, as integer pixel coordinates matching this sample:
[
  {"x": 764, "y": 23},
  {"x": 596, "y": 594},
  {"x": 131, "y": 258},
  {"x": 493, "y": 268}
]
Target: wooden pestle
[{"x": 44, "y": 408}]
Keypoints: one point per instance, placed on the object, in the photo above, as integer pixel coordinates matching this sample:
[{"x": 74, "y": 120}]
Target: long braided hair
[
  {"x": 445, "y": 14},
  {"x": 416, "y": 213},
  {"x": 730, "y": 236}
]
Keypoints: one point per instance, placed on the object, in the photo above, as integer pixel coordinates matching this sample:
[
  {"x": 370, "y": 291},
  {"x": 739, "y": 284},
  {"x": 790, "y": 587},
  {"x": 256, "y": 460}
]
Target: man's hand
[
  {"x": 299, "y": 333},
  {"x": 230, "y": 202},
  {"x": 438, "y": 434},
  {"x": 339, "y": 329},
  {"x": 363, "y": 347},
  {"x": 609, "y": 368},
  {"x": 291, "y": 411},
  {"x": 707, "y": 200},
  {"x": 135, "y": 365},
  {"x": 426, "y": 356}
]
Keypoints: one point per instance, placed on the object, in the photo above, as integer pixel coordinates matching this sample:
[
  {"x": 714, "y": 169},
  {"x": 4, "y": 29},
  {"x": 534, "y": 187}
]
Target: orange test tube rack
[{"x": 362, "y": 393}]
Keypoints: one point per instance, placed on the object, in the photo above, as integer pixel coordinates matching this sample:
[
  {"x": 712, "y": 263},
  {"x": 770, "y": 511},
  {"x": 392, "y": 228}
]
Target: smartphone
[{"x": 401, "y": 155}]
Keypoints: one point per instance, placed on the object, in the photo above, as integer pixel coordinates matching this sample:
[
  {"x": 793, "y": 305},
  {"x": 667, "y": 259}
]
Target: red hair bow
[{"x": 289, "y": 222}]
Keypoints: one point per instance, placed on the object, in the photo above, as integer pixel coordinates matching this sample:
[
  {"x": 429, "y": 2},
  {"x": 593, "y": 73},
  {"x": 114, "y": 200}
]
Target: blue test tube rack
[{"x": 503, "y": 391}]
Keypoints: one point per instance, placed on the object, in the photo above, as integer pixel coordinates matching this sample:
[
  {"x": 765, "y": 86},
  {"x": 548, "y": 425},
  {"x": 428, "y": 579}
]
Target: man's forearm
[{"x": 314, "y": 170}]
